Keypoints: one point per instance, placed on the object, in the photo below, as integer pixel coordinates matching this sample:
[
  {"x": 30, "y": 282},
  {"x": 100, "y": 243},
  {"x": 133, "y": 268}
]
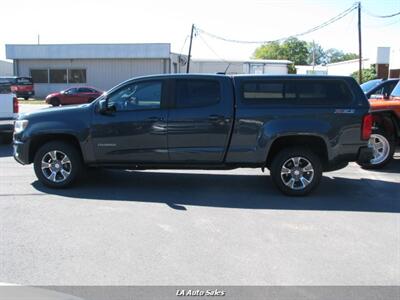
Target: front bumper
[
  {"x": 365, "y": 154},
  {"x": 21, "y": 152}
]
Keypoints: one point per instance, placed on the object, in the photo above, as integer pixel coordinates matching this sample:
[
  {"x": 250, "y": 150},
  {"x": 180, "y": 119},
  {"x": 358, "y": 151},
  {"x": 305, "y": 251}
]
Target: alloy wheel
[
  {"x": 297, "y": 173},
  {"x": 56, "y": 166}
]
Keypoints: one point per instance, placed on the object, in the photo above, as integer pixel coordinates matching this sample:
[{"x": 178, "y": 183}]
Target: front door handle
[{"x": 214, "y": 118}]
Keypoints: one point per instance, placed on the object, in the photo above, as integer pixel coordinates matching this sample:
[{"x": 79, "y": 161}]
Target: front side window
[
  {"x": 58, "y": 76},
  {"x": 396, "y": 91},
  {"x": 40, "y": 75},
  {"x": 197, "y": 93},
  {"x": 71, "y": 91},
  {"x": 137, "y": 96},
  {"x": 85, "y": 90}
]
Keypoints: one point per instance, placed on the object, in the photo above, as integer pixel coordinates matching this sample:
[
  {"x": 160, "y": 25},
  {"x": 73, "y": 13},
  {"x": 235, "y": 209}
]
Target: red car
[{"x": 75, "y": 95}]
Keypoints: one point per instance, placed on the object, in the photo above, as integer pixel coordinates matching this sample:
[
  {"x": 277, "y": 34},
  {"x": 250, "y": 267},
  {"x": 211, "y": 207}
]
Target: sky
[{"x": 169, "y": 21}]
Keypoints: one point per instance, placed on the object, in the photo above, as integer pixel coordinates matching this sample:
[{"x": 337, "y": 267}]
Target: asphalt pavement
[{"x": 120, "y": 227}]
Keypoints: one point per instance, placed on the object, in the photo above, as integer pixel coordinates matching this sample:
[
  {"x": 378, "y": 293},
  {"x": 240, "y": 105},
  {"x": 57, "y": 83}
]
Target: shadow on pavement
[{"x": 179, "y": 190}]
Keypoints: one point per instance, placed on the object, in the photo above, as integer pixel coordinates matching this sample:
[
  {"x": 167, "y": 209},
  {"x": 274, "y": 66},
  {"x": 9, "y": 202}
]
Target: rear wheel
[
  {"x": 55, "y": 102},
  {"x": 383, "y": 145},
  {"x": 296, "y": 171},
  {"x": 57, "y": 164}
]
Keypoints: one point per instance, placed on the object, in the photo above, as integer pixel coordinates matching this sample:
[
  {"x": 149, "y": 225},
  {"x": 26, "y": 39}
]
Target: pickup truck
[
  {"x": 296, "y": 126},
  {"x": 8, "y": 111}
]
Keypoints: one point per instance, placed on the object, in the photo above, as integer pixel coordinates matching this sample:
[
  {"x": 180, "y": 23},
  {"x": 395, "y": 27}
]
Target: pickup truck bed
[
  {"x": 296, "y": 126},
  {"x": 8, "y": 110}
]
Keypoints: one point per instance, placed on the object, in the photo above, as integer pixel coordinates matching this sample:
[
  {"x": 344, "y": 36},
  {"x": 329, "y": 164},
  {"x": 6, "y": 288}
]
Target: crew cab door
[
  {"x": 136, "y": 131},
  {"x": 200, "y": 119}
]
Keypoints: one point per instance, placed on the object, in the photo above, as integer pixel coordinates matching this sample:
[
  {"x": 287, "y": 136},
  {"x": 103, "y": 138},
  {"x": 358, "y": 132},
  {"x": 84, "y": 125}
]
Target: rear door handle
[{"x": 155, "y": 119}]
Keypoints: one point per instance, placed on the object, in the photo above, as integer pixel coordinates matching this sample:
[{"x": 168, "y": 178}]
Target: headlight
[{"x": 20, "y": 125}]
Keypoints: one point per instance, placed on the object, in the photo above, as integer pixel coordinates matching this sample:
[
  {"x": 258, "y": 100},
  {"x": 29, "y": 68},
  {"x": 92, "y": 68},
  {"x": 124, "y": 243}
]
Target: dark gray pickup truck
[{"x": 296, "y": 126}]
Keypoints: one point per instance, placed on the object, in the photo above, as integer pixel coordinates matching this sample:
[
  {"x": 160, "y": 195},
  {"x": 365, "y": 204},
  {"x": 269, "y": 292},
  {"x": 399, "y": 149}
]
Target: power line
[
  {"x": 324, "y": 24},
  {"x": 380, "y": 16}
]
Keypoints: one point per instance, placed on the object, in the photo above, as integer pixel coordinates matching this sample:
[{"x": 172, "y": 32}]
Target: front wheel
[
  {"x": 296, "y": 171},
  {"x": 383, "y": 147},
  {"x": 57, "y": 164}
]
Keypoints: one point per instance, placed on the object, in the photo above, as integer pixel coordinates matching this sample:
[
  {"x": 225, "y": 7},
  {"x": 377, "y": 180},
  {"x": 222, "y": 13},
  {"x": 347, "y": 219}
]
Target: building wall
[
  {"x": 346, "y": 68},
  {"x": 237, "y": 67},
  {"x": 100, "y": 73},
  {"x": 6, "y": 68}
]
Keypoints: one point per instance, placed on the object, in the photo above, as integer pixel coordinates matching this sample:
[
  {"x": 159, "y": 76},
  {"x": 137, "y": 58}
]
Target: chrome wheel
[
  {"x": 56, "y": 166},
  {"x": 380, "y": 147},
  {"x": 297, "y": 173}
]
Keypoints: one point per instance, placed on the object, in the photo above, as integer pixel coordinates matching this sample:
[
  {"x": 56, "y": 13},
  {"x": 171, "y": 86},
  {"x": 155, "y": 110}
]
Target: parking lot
[{"x": 198, "y": 228}]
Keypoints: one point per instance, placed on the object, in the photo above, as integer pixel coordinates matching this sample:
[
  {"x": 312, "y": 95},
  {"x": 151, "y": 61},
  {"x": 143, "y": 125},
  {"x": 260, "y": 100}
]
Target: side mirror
[
  {"x": 386, "y": 96},
  {"x": 104, "y": 109}
]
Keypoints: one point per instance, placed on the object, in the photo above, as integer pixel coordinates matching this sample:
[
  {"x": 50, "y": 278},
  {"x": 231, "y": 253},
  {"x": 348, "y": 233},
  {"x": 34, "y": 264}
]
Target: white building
[
  {"x": 253, "y": 66},
  {"x": 57, "y": 67},
  {"x": 6, "y": 68}
]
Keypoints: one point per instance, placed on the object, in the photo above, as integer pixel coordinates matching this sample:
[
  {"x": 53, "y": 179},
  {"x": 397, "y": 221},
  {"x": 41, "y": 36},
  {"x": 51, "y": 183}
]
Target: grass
[{"x": 31, "y": 101}]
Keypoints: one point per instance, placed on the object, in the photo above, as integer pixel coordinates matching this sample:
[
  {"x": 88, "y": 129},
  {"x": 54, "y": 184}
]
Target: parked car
[
  {"x": 22, "y": 87},
  {"x": 296, "y": 126},
  {"x": 8, "y": 111},
  {"x": 379, "y": 88},
  {"x": 74, "y": 95},
  {"x": 386, "y": 125}
]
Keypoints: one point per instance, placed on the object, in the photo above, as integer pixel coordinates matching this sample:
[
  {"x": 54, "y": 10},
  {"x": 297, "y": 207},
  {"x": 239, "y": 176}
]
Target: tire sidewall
[
  {"x": 286, "y": 154},
  {"x": 72, "y": 154},
  {"x": 55, "y": 102},
  {"x": 392, "y": 147}
]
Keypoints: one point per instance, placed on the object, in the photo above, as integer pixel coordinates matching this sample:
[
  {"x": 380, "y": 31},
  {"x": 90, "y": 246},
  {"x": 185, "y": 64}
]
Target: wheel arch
[
  {"x": 37, "y": 141},
  {"x": 388, "y": 121},
  {"x": 315, "y": 143}
]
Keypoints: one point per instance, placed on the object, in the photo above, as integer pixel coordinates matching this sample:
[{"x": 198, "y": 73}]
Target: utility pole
[
  {"x": 190, "y": 49},
  {"x": 313, "y": 56},
  {"x": 359, "y": 45}
]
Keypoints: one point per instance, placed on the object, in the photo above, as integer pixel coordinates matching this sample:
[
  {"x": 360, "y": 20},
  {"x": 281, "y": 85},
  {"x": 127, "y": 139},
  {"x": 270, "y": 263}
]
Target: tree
[
  {"x": 334, "y": 55},
  {"x": 291, "y": 49},
  {"x": 367, "y": 74},
  {"x": 315, "y": 51}
]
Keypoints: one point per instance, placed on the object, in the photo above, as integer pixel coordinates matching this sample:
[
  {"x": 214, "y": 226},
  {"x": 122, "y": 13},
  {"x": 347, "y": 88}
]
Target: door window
[
  {"x": 197, "y": 93},
  {"x": 137, "y": 96}
]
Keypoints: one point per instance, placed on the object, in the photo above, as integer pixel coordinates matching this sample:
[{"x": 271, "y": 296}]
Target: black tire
[
  {"x": 282, "y": 181},
  {"x": 26, "y": 98},
  {"x": 389, "y": 141},
  {"x": 75, "y": 167},
  {"x": 55, "y": 102}
]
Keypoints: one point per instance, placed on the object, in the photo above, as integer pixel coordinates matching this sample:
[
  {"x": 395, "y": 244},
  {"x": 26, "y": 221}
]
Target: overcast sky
[{"x": 123, "y": 21}]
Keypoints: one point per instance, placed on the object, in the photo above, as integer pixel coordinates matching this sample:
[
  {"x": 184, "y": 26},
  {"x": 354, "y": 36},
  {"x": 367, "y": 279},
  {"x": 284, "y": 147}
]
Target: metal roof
[
  {"x": 252, "y": 61},
  {"x": 88, "y": 51}
]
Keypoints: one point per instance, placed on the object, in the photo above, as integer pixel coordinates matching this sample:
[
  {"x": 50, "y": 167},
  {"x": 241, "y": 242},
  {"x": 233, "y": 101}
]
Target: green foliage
[
  {"x": 301, "y": 53},
  {"x": 320, "y": 57},
  {"x": 367, "y": 74},
  {"x": 334, "y": 55},
  {"x": 292, "y": 49}
]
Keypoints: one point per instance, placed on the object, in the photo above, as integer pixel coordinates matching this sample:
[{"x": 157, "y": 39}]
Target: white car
[{"x": 8, "y": 111}]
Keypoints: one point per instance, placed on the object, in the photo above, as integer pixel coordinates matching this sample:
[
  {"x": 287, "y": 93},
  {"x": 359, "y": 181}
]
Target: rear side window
[
  {"x": 197, "y": 93},
  {"x": 297, "y": 92}
]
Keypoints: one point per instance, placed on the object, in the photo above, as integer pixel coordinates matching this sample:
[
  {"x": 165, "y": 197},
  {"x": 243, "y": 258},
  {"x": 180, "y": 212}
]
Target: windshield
[
  {"x": 369, "y": 85},
  {"x": 396, "y": 90}
]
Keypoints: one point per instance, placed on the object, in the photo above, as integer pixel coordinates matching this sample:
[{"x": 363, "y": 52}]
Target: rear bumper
[
  {"x": 365, "y": 154},
  {"x": 7, "y": 125},
  {"x": 25, "y": 94}
]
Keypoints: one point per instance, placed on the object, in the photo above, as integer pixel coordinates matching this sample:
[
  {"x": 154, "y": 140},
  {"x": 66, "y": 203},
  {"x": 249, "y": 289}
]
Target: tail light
[
  {"x": 15, "y": 105},
  {"x": 366, "y": 129}
]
